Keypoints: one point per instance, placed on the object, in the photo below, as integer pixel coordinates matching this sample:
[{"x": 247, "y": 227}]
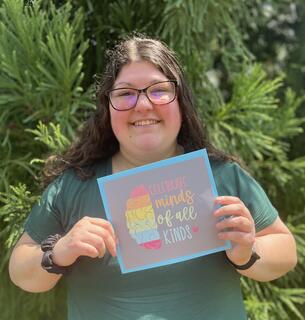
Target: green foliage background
[{"x": 245, "y": 63}]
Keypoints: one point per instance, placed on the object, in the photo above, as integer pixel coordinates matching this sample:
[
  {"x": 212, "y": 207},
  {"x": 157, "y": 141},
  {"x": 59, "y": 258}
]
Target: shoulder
[
  {"x": 224, "y": 167},
  {"x": 227, "y": 167},
  {"x": 229, "y": 176},
  {"x": 68, "y": 182},
  {"x": 232, "y": 180}
]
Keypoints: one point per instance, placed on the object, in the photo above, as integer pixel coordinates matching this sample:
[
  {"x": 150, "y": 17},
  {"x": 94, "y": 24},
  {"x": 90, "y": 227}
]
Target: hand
[
  {"x": 89, "y": 237},
  {"x": 238, "y": 226}
]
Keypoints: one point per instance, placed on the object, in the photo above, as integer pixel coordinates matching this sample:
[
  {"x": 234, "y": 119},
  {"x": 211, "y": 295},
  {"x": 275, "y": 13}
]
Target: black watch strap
[{"x": 254, "y": 257}]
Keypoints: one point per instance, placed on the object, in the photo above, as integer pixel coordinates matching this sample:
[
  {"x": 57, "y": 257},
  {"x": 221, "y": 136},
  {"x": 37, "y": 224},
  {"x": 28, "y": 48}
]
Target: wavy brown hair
[{"x": 96, "y": 140}]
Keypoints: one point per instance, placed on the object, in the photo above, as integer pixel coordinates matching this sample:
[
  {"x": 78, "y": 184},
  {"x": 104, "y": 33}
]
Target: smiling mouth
[{"x": 145, "y": 123}]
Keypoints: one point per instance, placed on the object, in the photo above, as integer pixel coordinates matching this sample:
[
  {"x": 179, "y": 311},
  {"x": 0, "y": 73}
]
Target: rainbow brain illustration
[{"x": 140, "y": 218}]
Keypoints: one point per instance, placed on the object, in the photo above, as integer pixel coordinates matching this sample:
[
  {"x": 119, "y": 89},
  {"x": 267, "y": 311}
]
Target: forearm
[
  {"x": 278, "y": 256},
  {"x": 26, "y": 271}
]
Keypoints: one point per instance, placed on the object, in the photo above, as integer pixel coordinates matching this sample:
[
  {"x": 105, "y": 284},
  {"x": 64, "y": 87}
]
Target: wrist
[
  {"x": 57, "y": 255},
  {"x": 48, "y": 261},
  {"x": 240, "y": 258},
  {"x": 245, "y": 262}
]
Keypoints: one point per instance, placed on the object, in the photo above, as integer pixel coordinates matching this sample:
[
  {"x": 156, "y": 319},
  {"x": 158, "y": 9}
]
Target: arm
[
  {"x": 277, "y": 249},
  {"x": 25, "y": 269},
  {"x": 88, "y": 237},
  {"x": 275, "y": 244}
]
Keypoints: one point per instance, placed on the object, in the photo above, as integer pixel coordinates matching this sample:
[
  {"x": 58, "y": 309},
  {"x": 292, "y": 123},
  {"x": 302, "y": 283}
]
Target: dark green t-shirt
[{"x": 203, "y": 288}]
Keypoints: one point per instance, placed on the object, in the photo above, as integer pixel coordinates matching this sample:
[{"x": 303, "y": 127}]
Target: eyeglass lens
[{"x": 158, "y": 93}]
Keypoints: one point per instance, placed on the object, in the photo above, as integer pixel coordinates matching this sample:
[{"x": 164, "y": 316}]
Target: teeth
[{"x": 145, "y": 122}]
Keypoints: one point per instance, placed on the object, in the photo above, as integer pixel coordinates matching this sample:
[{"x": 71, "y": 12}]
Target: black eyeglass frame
[{"x": 139, "y": 91}]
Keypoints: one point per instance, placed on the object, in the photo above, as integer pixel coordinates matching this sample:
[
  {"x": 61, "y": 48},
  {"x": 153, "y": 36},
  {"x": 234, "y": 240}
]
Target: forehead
[{"x": 139, "y": 73}]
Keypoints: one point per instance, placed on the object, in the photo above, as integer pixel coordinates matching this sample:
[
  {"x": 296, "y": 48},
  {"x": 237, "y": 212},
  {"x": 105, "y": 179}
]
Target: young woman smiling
[{"x": 145, "y": 113}]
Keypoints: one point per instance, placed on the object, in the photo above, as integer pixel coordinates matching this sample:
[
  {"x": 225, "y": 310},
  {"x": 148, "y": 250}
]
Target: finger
[
  {"x": 108, "y": 238},
  {"x": 86, "y": 249},
  {"x": 227, "y": 200},
  {"x": 237, "y": 223},
  {"x": 100, "y": 231},
  {"x": 241, "y": 238},
  {"x": 104, "y": 224},
  {"x": 110, "y": 243},
  {"x": 233, "y": 209},
  {"x": 97, "y": 241}
]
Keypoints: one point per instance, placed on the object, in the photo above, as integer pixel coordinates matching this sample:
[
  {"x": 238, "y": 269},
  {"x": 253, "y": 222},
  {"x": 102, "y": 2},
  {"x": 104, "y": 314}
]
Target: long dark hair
[{"x": 96, "y": 140}]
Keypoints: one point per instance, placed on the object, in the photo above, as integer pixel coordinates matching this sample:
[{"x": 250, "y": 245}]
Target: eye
[
  {"x": 158, "y": 92},
  {"x": 123, "y": 93},
  {"x": 160, "y": 89}
]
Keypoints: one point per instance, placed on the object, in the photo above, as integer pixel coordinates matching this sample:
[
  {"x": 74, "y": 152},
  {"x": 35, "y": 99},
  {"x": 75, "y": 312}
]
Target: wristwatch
[
  {"x": 254, "y": 257},
  {"x": 47, "y": 263}
]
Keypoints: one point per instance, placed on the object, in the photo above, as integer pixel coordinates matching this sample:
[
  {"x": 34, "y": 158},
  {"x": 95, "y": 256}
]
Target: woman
[{"x": 145, "y": 113}]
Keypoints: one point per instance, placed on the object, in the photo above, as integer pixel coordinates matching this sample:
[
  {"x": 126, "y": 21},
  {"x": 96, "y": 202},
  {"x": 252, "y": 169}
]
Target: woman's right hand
[{"x": 89, "y": 237}]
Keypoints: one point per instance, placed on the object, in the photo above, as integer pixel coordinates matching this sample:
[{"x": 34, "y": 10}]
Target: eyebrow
[{"x": 132, "y": 86}]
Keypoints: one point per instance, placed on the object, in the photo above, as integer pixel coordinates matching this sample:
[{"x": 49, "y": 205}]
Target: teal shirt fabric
[{"x": 203, "y": 288}]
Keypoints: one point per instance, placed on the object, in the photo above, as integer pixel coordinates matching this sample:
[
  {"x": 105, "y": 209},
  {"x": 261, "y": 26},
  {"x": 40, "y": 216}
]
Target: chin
[
  {"x": 154, "y": 148},
  {"x": 149, "y": 148}
]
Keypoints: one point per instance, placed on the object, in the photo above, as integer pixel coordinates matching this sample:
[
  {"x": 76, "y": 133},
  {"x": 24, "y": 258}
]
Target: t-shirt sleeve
[
  {"x": 235, "y": 181},
  {"x": 44, "y": 219}
]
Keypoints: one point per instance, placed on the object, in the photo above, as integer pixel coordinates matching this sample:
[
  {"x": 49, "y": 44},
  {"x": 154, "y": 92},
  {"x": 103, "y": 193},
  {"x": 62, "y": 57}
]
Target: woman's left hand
[{"x": 237, "y": 225}]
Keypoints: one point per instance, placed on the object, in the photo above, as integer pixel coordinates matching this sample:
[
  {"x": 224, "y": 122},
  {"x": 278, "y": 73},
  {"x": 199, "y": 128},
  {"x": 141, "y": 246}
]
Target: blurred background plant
[{"x": 245, "y": 63}]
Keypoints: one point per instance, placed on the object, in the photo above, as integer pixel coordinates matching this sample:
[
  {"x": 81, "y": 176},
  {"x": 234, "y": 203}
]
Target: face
[{"x": 147, "y": 128}]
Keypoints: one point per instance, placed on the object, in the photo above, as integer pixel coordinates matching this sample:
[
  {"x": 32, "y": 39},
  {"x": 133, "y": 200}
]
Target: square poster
[{"x": 162, "y": 213}]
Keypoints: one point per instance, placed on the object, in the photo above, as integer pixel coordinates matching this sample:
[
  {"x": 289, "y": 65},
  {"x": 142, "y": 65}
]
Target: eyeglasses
[{"x": 123, "y": 99}]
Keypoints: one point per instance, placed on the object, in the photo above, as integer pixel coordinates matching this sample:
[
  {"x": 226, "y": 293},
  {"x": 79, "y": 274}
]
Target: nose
[{"x": 143, "y": 103}]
